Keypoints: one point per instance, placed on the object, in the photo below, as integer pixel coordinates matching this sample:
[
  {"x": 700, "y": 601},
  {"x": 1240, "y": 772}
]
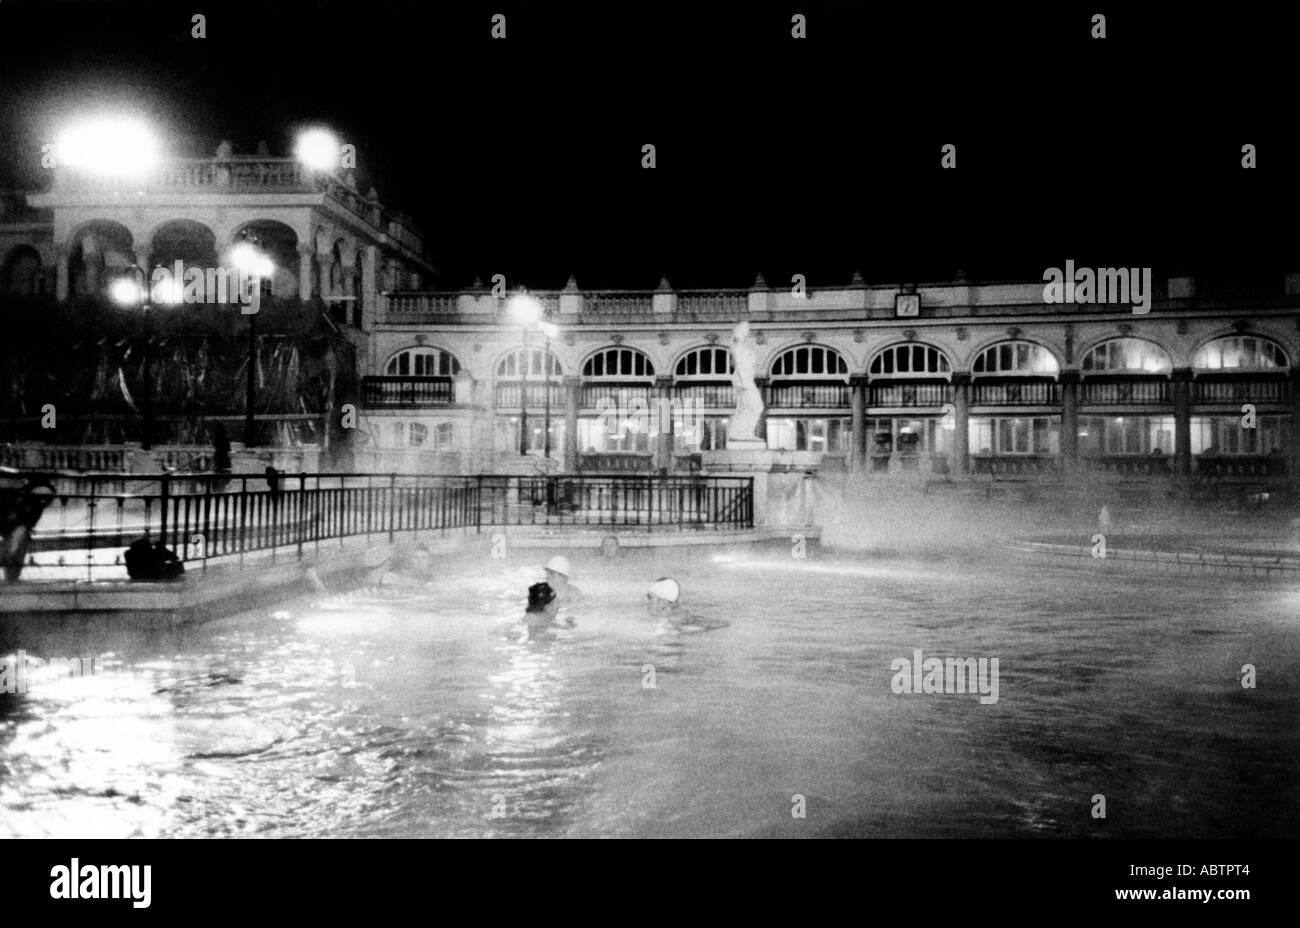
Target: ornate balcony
[
  {"x": 1236, "y": 391},
  {"x": 902, "y": 394},
  {"x": 616, "y": 394},
  {"x": 1015, "y": 393},
  {"x": 407, "y": 391},
  {"x": 249, "y": 175},
  {"x": 1130, "y": 392},
  {"x": 508, "y": 396},
  {"x": 808, "y": 396},
  {"x": 708, "y": 395}
]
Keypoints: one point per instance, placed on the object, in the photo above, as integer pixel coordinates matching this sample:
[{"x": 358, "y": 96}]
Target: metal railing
[
  {"x": 808, "y": 396},
  {"x": 1240, "y": 391},
  {"x": 92, "y": 519},
  {"x": 408, "y": 391},
  {"x": 1015, "y": 393},
  {"x": 620, "y": 395},
  {"x": 1126, "y": 392},
  {"x": 709, "y": 395},
  {"x": 908, "y": 394},
  {"x": 508, "y": 396}
]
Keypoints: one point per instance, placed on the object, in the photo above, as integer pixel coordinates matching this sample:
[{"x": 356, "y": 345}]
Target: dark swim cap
[{"x": 540, "y": 596}]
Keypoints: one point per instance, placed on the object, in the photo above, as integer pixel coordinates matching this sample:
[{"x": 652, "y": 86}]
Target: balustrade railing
[
  {"x": 1015, "y": 393},
  {"x": 1126, "y": 392},
  {"x": 619, "y": 395},
  {"x": 408, "y": 391},
  {"x": 727, "y": 304},
  {"x": 617, "y": 303},
  {"x": 1241, "y": 391},
  {"x": 909, "y": 394},
  {"x": 708, "y": 395},
  {"x": 808, "y": 395},
  {"x": 419, "y": 307},
  {"x": 509, "y": 396}
]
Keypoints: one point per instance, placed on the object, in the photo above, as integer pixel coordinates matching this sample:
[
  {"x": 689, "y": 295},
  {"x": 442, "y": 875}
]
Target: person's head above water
[
  {"x": 559, "y": 566},
  {"x": 663, "y": 594},
  {"x": 541, "y": 596}
]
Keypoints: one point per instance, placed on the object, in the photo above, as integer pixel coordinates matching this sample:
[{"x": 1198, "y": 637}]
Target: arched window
[
  {"x": 422, "y": 362},
  {"x": 910, "y": 360},
  {"x": 705, "y": 363},
  {"x": 1241, "y": 352},
  {"x": 1016, "y": 358},
  {"x": 611, "y": 363},
  {"x": 21, "y": 274},
  {"x": 1127, "y": 355},
  {"x": 512, "y": 367},
  {"x": 810, "y": 362}
]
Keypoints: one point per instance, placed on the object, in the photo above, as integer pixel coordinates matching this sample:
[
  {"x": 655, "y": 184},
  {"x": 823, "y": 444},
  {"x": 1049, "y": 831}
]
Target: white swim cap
[
  {"x": 559, "y": 564},
  {"x": 666, "y": 589}
]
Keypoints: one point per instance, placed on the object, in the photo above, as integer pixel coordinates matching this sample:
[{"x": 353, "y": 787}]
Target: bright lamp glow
[
  {"x": 525, "y": 308},
  {"x": 318, "y": 149},
  {"x": 113, "y": 147},
  {"x": 251, "y": 261},
  {"x": 168, "y": 292},
  {"x": 125, "y": 292},
  {"x": 549, "y": 329}
]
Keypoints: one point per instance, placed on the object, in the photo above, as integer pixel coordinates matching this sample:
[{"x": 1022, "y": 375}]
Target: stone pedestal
[{"x": 783, "y": 497}]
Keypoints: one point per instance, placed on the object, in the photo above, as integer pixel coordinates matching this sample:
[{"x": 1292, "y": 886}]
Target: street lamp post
[
  {"x": 523, "y": 395},
  {"x": 527, "y": 310},
  {"x": 247, "y": 256},
  {"x": 549, "y": 330},
  {"x": 127, "y": 292}
]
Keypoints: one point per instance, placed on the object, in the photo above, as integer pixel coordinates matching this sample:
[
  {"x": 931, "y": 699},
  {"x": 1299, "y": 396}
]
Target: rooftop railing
[{"x": 242, "y": 174}]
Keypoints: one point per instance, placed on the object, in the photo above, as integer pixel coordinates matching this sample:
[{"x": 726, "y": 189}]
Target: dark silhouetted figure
[
  {"x": 20, "y": 510},
  {"x": 149, "y": 560}
]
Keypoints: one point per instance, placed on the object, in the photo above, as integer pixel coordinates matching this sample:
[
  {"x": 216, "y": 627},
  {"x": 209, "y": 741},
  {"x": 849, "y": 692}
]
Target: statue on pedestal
[{"x": 747, "y": 423}]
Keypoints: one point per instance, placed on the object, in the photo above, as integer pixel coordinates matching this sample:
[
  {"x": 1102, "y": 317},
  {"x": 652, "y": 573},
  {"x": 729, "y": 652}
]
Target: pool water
[{"x": 420, "y": 710}]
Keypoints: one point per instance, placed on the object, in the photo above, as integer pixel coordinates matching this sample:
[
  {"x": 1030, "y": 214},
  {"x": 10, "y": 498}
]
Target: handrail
[{"x": 204, "y": 517}]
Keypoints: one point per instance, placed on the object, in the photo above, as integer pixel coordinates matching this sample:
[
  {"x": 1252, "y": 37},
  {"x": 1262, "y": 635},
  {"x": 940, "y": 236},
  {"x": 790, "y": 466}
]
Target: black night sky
[{"x": 819, "y": 156}]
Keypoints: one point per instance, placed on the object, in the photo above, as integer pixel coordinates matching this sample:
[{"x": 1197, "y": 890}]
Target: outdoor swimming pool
[{"x": 413, "y": 712}]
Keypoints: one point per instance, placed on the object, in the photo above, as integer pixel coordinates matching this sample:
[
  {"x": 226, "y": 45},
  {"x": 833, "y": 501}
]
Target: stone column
[
  {"x": 1293, "y": 449},
  {"x": 572, "y": 399},
  {"x": 662, "y": 414},
  {"x": 1182, "y": 378},
  {"x": 63, "y": 283},
  {"x": 305, "y": 257},
  {"x": 323, "y": 263},
  {"x": 370, "y": 284},
  {"x": 1069, "y": 420},
  {"x": 961, "y": 422},
  {"x": 858, "y": 411}
]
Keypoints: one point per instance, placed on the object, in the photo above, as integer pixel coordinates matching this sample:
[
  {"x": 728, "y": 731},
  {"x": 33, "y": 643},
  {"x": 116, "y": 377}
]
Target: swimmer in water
[
  {"x": 543, "y": 609},
  {"x": 662, "y": 600},
  {"x": 559, "y": 573}
]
